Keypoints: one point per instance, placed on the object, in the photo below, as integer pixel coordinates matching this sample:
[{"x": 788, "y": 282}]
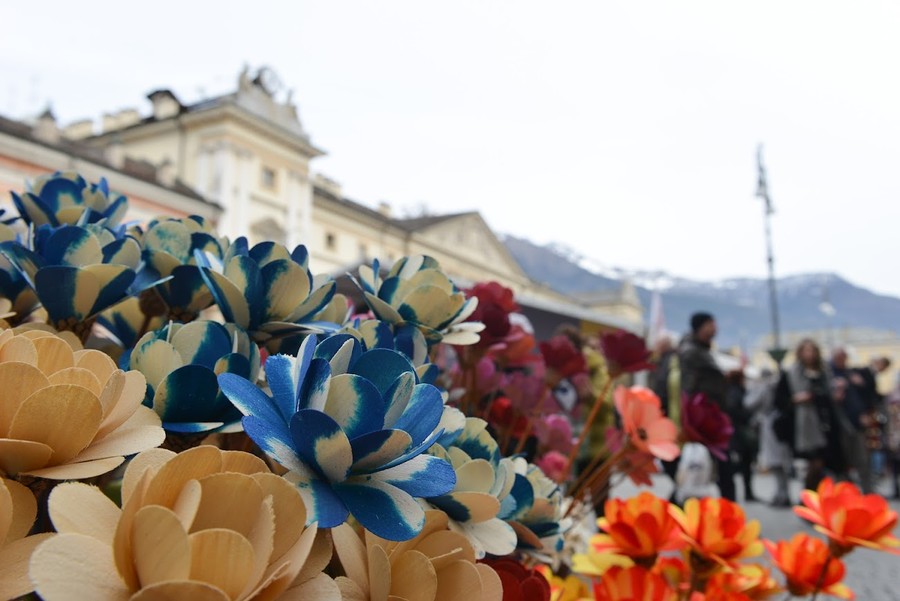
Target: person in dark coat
[
  {"x": 745, "y": 440},
  {"x": 853, "y": 400},
  {"x": 701, "y": 374}
]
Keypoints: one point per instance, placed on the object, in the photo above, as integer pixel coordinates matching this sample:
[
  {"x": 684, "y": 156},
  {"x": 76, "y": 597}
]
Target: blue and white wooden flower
[
  {"x": 182, "y": 362},
  {"x": 406, "y": 339},
  {"x": 483, "y": 498},
  {"x": 65, "y": 198},
  {"x": 416, "y": 291},
  {"x": 169, "y": 248},
  {"x": 78, "y": 271},
  {"x": 267, "y": 290},
  {"x": 126, "y": 322},
  {"x": 352, "y": 427},
  {"x": 541, "y": 527},
  {"x": 19, "y": 299}
]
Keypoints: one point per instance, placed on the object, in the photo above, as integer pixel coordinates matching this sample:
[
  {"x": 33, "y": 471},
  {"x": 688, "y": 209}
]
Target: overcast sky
[{"x": 627, "y": 130}]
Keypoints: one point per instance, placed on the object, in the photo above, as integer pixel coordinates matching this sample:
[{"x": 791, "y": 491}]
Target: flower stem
[
  {"x": 583, "y": 476},
  {"x": 822, "y": 575},
  {"x": 573, "y": 454},
  {"x": 599, "y": 476},
  {"x": 529, "y": 426}
]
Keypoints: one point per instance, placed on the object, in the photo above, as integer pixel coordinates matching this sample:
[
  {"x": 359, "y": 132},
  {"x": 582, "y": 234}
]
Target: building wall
[{"x": 22, "y": 161}]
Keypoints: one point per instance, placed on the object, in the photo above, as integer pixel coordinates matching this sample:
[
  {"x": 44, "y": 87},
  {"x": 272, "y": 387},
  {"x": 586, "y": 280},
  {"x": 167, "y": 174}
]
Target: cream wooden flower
[
  {"x": 68, "y": 414},
  {"x": 204, "y": 525},
  {"x": 17, "y": 512},
  {"x": 437, "y": 565}
]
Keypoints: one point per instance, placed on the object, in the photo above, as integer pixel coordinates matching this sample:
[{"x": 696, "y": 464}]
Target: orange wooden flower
[
  {"x": 643, "y": 421},
  {"x": 639, "y": 527},
  {"x": 850, "y": 518},
  {"x": 717, "y": 531},
  {"x": 632, "y": 584},
  {"x": 675, "y": 571},
  {"x": 801, "y": 559},
  {"x": 749, "y": 581},
  {"x": 570, "y": 588}
]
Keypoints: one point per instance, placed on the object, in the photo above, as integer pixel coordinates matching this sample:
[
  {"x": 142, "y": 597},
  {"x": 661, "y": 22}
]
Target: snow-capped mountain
[{"x": 811, "y": 301}]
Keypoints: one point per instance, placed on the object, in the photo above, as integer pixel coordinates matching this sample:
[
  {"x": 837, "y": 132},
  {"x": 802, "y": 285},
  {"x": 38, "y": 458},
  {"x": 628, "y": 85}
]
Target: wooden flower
[
  {"x": 65, "y": 198},
  {"x": 803, "y": 559},
  {"x": 539, "y": 525},
  {"x": 206, "y": 525},
  {"x": 753, "y": 580},
  {"x": 717, "y": 532},
  {"x": 416, "y": 291},
  {"x": 520, "y": 581},
  {"x": 625, "y": 353},
  {"x": 68, "y": 414},
  {"x": 126, "y": 322},
  {"x": 169, "y": 248},
  {"x": 639, "y": 527},
  {"x": 19, "y": 298},
  {"x": 78, "y": 271},
  {"x": 17, "y": 512},
  {"x": 642, "y": 420},
  {"x": 352, "y": 427},
  {"x": 266, "y": 290},
  {"x": 484, "y": 482},
  {"x": 181, "y": 363},
  {"x": 632, "y": 584},
  {"x": 437, "y": 564},
  {"x": 849, "y": 518}
]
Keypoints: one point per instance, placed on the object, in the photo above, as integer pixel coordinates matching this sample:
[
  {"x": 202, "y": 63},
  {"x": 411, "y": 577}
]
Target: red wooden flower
[
  {"x": 625, "y": 353},
  {"x": 703, "y": 421}
]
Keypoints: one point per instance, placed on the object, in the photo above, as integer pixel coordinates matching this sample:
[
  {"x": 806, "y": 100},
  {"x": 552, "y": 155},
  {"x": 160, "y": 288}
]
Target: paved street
[{"x": 872, "y": 576}]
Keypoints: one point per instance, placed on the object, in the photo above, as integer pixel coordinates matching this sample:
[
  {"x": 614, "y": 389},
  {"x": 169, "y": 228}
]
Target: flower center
[{"x": 642, "y": 434}]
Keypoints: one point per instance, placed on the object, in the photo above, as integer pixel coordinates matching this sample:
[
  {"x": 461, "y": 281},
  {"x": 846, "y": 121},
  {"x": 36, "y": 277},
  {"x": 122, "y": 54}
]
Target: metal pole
[{"x": 762, "y": 191}]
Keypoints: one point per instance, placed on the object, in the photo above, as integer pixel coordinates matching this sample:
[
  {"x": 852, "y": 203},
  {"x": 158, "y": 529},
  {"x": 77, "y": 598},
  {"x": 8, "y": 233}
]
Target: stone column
[
  {"x": 299, "y": 209},
  {"x": 243, "y": 210},
  {"x": 222, "y": 189},
  {"x": 202, "y": 183}
]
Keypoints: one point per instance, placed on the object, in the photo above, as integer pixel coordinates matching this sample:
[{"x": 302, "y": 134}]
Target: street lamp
[{"x": 762, "y": 191}]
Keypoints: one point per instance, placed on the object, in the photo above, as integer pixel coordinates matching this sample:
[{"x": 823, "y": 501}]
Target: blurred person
[
  {"x": 701, "y": 374},
  {"x": 852, "y": 398},
  {"x": 816, "y": 430},
  {"x": 745, "y": 441},
  {"x": 774, "y": 454},
  {"x": 892, "y": 411},
  {"x": 874, "y": 418}
]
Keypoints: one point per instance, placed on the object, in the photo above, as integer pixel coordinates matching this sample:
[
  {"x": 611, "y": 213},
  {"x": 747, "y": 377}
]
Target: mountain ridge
[{"x": 807, "y": 301}]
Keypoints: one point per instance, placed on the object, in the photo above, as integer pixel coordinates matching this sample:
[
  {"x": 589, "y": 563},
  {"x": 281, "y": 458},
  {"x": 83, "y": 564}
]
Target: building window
[
  {"x": 269, "y": 179},
  {"x": 330, "y": 241}
]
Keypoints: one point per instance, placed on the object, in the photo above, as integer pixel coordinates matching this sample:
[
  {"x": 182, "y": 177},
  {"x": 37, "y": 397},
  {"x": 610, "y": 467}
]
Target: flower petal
[
  {"x": 321, "y": 443},
  {"x": 383, "y": 509}
]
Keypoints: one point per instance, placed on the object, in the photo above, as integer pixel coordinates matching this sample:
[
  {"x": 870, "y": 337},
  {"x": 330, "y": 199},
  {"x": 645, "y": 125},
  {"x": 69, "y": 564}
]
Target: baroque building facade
[{"x": 247, "y": 156}]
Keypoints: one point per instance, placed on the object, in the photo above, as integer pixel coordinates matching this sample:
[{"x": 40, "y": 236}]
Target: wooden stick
[{"x": 573, "y": 454}]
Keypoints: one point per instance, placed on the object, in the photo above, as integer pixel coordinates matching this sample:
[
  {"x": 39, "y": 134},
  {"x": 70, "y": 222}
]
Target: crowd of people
[{"x": 826, "y": 412}]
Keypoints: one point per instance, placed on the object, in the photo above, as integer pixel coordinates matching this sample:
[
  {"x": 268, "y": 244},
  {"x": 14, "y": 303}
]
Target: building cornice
[{"x": 225, "y": 111}]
